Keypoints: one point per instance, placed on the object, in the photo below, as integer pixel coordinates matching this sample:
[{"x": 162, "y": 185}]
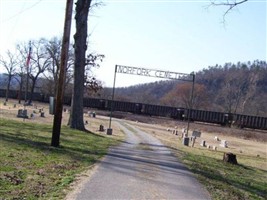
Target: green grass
[
  {"x": 31, "y": 169},
  {"x": 223, "y": 180}
]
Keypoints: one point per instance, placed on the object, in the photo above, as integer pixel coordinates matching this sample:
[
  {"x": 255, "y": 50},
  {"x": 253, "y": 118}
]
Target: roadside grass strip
[
  {"x": 31, "y": 169},
  {"x": 224, "y": 180}
]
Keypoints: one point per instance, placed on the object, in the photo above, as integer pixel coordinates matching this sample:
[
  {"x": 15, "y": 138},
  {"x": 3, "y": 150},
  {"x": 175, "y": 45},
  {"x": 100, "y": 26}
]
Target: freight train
[{"x": 225, "y": 119}]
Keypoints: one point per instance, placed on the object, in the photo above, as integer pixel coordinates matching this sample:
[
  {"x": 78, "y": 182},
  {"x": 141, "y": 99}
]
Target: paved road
[{"x": 141, "y": 168}]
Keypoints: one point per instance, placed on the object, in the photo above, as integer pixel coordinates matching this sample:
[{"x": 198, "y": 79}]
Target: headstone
[
  {"x": 203, "y": 143},
  {"x": 183, "y": 130},
  {"x": 214, "y": 148},
  {"x": 173, "y": 131},
  {"x": 5, "y": 103},
  {"x": 15, "y": 105},
  {"x": 42, "y": 114},
  {"x": 109, "y": 131},
  {"x": 185, "y": 141},
  {"x": 101, "y": 128},
  {"x": 230, "y": 158},
  {"x": 22, "y": 113},
  {"x": 32, "y": 115},
  {"x": 176, "y": 132},
  {"x": 216, "y": 138},
  {"x": 196, "y": 133},
  {"x": 224, "y": 144}
]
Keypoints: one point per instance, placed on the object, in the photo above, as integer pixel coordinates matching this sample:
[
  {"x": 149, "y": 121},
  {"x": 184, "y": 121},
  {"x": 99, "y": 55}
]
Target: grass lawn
[
  {"x": 32, "y": 169},
  {"x": 224, "y": 181}
]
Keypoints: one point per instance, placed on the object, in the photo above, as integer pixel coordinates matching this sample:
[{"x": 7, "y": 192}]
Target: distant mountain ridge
[{"x": 240, "y": 87}]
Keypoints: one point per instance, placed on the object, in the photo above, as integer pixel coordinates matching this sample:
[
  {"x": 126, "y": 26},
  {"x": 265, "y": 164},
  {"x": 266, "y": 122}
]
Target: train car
[
  {"x": 67, "y": 101},
  {"x": 239, "y": 120},
  {"x": 178, "y": 113},
  {"x": 246, "y": 121},
  {"x": 94, "y": 103},
  {"x": 208, "y": 116},
  {"x": 124, "y": 106},
  {"x": 2, "y": 93},
  {"x": 157, "y": 110}
]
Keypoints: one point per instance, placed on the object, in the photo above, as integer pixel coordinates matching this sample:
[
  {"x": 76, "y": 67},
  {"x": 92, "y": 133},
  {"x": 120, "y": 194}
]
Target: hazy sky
[{"x": 179, "y": 36}]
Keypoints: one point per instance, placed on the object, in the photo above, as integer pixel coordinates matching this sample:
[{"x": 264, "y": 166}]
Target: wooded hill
[{"x": 233, "y": 87}]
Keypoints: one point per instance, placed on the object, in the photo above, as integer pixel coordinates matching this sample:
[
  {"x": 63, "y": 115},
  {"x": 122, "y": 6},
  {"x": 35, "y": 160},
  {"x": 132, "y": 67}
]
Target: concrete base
[{"x": 109, "y": 131}]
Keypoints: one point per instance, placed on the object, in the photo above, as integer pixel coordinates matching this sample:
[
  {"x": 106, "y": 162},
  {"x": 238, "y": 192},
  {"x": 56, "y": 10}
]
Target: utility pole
[{"x": 62, "y": 74}]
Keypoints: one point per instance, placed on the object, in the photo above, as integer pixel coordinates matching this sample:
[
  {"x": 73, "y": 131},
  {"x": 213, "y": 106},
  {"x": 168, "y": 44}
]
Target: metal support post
[
  {"x": 191, "y": 102},
  {"x": 109, "y": 130}
]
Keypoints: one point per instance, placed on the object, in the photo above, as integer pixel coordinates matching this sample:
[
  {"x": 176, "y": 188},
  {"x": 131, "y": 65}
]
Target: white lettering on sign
[
  {"x": 133, "y": 70},
  {"x": 152, "y": 73}
]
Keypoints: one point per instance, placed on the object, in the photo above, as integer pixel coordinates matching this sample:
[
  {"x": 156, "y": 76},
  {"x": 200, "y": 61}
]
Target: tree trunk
[
  {"x": 80, "y": 46},
  {"x": 32, "y": 90},
  {"x": 7, "y": 89}
]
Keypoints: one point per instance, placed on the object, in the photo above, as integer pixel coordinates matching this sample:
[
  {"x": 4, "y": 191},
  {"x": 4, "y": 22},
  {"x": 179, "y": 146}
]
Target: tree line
[
  {"x": 43, "y": 69},
  {"x": 232, "y": 88}
]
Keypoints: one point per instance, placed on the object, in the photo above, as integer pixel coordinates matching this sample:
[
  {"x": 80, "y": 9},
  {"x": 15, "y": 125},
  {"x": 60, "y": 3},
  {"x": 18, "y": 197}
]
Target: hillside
[{"x": 236, "y": 88}]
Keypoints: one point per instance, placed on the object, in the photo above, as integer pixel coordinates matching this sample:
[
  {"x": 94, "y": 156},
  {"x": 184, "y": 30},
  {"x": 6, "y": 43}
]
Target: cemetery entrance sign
[
  {"x": 140, "y": 71},
  {"x": 153, "y": 73}
]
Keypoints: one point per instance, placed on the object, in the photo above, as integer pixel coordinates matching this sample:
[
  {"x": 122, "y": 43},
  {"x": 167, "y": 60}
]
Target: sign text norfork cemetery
[{"x": 152, "y": 73}]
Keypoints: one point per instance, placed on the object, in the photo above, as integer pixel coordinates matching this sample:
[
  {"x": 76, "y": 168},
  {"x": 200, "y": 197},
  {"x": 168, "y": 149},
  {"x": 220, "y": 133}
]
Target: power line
[{"x": 22, "y": 11}]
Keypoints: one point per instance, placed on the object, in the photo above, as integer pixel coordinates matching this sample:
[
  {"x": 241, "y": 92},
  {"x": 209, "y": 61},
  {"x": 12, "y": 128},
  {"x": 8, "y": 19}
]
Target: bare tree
[
  {"x": 254, "y": 101},
  {"x": 180, "y": 96},
  {"x": 53, "y": 50},
  {"x": 40, "y": 61},
  {"x": 234, "y": 89},
  {"x": 53, "y": 47},
  {"x": 10, "y": 64},
  {"x": 229, "y": 4},
  {"x": 21, "y": 77}
]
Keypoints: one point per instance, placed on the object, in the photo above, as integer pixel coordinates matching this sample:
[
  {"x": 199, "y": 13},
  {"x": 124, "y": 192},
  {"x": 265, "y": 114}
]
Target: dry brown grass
[
  {"x": 10, "y": 112},
  {"x": 241, "y": 142}
]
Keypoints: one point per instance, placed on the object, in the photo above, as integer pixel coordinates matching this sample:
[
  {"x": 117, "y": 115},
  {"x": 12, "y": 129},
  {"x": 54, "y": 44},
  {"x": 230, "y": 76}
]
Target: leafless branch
[{"x": 228, "y": 3}]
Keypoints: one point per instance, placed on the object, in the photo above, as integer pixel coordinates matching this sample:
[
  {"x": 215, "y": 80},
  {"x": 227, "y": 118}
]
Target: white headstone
[
  {"x": 203, "y": 143},
  {"x": 224, "y": 144}
]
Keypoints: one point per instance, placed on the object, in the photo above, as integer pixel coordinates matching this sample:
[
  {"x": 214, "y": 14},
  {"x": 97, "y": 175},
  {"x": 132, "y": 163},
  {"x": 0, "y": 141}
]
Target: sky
[{"x": 171, "y": 35}]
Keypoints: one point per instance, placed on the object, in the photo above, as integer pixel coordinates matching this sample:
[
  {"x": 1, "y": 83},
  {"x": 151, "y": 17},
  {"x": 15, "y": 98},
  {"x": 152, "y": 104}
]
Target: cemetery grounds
[{"x": 52, "y": 173}]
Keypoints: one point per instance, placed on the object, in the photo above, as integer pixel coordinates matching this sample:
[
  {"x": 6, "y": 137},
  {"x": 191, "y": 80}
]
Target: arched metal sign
[{"x": 140, "y": 71}]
